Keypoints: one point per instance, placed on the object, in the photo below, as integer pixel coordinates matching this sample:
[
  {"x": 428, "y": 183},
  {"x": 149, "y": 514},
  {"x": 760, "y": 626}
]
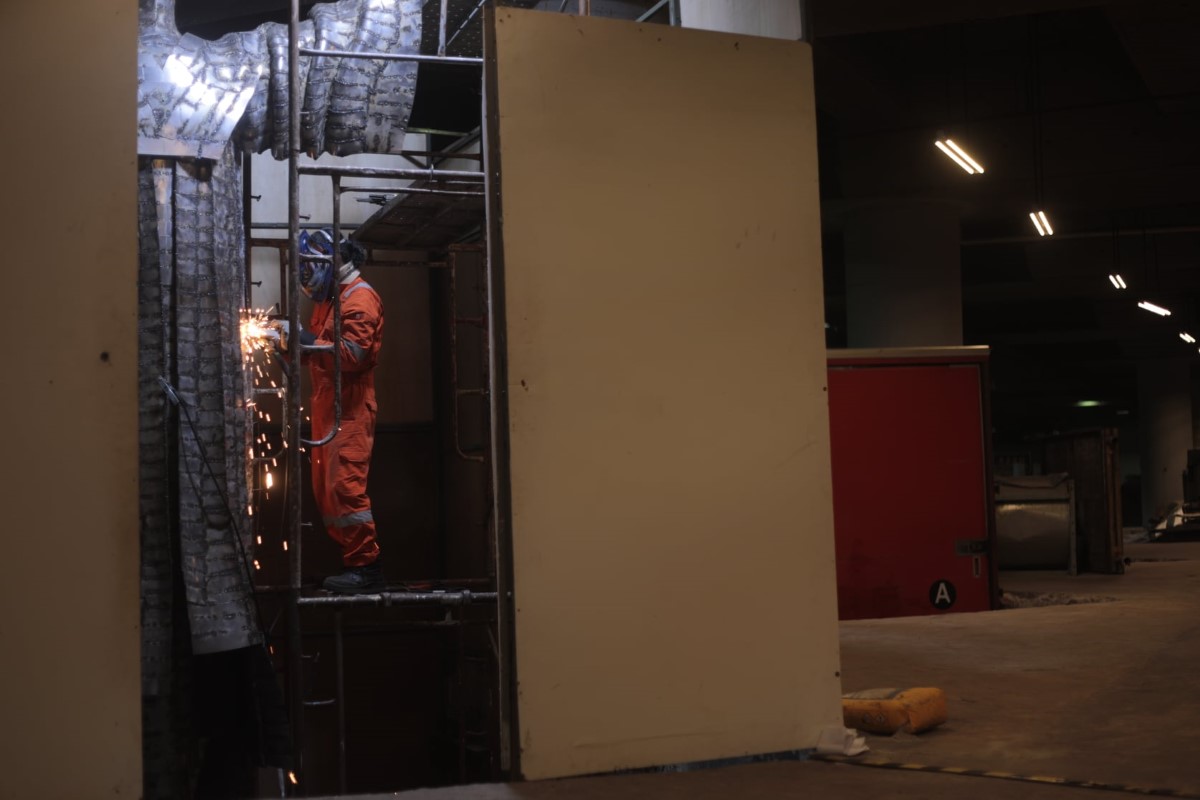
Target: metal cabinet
[{"x": 911, "y": 458}]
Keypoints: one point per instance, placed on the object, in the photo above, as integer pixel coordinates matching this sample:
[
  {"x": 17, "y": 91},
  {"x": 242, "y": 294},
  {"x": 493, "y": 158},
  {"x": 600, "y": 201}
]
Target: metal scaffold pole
[
  {"x": 295, "y": 654},
  {"x": 431, "y": 181}
]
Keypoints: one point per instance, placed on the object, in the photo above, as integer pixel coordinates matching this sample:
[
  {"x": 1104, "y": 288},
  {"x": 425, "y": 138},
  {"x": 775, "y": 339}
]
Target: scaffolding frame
[
  {"x": 445, "y": 182},
  {"x": 449, "y": 182}
]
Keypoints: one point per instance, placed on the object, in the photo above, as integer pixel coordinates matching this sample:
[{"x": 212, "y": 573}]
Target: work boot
[{"x": 356, "y": 580}]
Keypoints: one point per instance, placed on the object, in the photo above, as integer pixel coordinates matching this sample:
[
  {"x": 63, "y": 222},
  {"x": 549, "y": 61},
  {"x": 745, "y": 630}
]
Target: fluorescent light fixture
[
  {"x": 1089, "y": 403},
  {"x": 1153, "y": 309},
  {"x": 957, "y": 160},
  {"x": 1042, "y": 223},
  {"x": 975, "y": 164},
  {"x": 1117, "y": 281},
  {"x": 1187, "y": 337}
]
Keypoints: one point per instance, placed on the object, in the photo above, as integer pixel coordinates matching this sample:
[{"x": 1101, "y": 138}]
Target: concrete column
[
  {"x": 1165, "y": 431},
  {"x": 903, "y": 274},
  {"x": 1195, "y": 407},
  {"x": 780, "y": 19}
]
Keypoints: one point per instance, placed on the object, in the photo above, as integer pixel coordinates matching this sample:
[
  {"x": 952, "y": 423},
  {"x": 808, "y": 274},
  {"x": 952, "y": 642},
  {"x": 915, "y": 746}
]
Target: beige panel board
[
  {"x": 671, "y": 504},
  {"x": 779, "y": 19},
  {"x": 69, "y": 649}
]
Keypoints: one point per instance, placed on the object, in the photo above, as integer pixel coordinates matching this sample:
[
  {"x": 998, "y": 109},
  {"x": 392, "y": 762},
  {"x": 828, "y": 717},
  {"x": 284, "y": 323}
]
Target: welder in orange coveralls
[{"x": 339, "y": 468}]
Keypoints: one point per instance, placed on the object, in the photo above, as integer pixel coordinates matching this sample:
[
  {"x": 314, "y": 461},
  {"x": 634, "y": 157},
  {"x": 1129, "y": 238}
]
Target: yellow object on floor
[{"x": 890, "y": 710}]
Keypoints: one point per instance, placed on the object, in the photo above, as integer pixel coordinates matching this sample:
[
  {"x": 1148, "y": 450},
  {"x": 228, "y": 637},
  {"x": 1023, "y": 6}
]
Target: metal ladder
[{"x": 292, "y": 399}]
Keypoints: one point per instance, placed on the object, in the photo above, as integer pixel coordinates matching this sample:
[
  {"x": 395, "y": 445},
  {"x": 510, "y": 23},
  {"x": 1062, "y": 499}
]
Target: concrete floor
[{"x": 1100, "y": 692}]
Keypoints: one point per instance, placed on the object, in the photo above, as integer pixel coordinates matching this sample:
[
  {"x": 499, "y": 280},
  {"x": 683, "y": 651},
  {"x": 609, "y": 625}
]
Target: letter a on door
[{"x": 942, "y": 594}]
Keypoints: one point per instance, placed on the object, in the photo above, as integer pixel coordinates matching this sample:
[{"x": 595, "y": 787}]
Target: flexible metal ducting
[{"x": 203, "y": 105}]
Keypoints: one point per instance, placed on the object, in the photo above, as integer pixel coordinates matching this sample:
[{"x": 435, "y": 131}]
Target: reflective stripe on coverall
[{"x": 339, "y": 469}]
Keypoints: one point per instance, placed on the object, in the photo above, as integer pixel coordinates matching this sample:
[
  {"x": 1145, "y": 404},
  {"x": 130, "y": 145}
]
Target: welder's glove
[{"x": 280, "y": 334}]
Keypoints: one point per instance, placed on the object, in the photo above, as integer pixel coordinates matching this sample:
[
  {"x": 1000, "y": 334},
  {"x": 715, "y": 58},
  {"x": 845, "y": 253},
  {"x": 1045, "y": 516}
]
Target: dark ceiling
[
  {"x": 1103, "y": 100},
  {"x": 1115, "y": 92}
]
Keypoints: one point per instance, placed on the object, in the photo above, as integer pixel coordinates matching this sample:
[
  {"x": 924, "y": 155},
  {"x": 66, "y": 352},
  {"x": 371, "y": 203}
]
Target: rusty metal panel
[{"x": 1092, "y": 460}]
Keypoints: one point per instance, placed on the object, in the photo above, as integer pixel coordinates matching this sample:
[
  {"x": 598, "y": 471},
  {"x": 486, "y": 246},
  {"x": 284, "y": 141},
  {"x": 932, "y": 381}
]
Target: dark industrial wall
[{"x": 460, "y": 307}]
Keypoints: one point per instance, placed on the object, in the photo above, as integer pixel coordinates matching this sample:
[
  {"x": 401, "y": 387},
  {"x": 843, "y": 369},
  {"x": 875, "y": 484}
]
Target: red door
[{"x": 909, "y": 490}]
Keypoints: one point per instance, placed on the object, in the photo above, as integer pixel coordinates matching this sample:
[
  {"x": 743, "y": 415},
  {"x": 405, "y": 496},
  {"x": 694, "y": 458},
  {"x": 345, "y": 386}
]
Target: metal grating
[
  {"x": 464, "y": 25},
  {"x": 414, "y": 220}
]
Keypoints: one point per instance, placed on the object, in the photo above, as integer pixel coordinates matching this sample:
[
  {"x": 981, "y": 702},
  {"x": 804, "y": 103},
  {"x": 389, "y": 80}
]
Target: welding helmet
[{"x": 316, "y": 277}]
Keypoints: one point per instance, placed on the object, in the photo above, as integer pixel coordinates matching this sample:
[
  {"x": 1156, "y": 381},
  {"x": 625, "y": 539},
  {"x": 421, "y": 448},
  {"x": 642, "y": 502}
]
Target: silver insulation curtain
[{"x": 202, "y": 107}]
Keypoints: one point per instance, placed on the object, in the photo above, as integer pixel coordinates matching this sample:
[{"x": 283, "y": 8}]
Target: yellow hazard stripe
[{"x": 1008, "y": 776}]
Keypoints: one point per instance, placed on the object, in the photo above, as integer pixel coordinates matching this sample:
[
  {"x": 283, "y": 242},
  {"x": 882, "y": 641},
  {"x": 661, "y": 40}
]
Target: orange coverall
[{"x": 339, "y": 468}]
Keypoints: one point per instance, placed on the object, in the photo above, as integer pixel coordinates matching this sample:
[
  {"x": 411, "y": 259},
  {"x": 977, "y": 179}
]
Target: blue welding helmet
[{"x": 316, "y": 277}]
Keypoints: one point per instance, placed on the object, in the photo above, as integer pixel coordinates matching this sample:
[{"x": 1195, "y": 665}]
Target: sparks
[{"x": 254, "y": 329}]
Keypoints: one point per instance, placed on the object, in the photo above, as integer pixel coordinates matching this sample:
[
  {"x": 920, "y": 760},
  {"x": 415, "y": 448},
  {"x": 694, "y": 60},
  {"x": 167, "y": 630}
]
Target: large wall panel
[
  {"x": 69, "y": 649},
  {"x": 670, "y": 489}
]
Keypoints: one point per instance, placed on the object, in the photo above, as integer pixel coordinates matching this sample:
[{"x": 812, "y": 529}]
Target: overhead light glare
[
  {"x": 1037, "y": 223},
  {"x": 957, "y": 160},
  {"x": 1045, "y": 223},
  {"x": 1187, "y": 337},
  {"x": 950, "y": 143},
  {"x": 1117, "y": 281},
  {"x": 1153, "y": 309},
  {"x": 1089, "y": 404}
]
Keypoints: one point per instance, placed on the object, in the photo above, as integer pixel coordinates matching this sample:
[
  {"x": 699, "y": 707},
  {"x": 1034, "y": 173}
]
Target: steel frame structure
[
  {"x": 443, "y": 182},
  {"x": 449, "y": 182}
]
